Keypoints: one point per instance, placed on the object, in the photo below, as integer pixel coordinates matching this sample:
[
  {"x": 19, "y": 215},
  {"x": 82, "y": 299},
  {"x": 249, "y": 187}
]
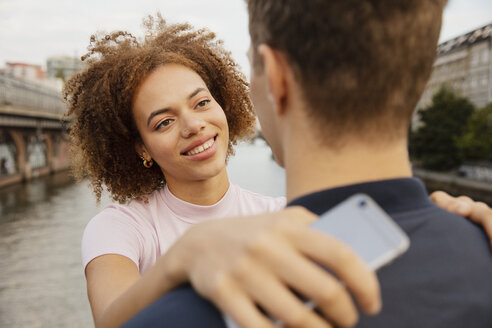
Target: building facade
[
  {"x": 463, "y": 64},
  {"x": 24, "y": 71},
  {"x": 63, "y": 66},
  {"x": 31, "y": 74}
]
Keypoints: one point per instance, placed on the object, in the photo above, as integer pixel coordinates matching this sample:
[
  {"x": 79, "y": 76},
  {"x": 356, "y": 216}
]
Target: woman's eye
[
  {"x": 203, "y": 103},
  {"x": 164, "y": 123}
]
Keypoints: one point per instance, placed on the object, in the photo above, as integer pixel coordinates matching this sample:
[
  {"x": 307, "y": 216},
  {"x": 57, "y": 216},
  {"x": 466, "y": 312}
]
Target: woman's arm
[
  {"x": 108, "y": 276},
  {"x": 477, "y": 212},
  {"x": 238, "y": 264},
  {"x": 117, "y": 291}
]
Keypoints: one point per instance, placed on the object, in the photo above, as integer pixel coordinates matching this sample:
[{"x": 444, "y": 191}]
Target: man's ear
[{"x": 277, "y": 70}]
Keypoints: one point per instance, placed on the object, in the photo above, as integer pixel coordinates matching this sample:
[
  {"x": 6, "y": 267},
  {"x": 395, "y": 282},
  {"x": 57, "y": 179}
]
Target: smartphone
[{"x": 363, "y": 225}]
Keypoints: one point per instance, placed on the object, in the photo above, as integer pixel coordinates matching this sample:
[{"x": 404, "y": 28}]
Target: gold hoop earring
[{"x": 146, "y": 163}]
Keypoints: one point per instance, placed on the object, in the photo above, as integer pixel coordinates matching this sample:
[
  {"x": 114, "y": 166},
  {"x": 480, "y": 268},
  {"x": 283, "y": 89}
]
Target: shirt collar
[
  {"x": 394, "y": 196},
  {"x": 192, "y": 213}
]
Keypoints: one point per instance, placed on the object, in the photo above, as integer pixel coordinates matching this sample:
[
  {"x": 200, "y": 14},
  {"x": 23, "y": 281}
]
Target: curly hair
[{"x": 104, "y": 134}]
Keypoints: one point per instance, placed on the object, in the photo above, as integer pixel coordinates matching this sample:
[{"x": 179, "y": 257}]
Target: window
[
  {"x": 485, "y": 55},
  {"x": 475, "y": 57},
  {"x": 473, "y": 82}
]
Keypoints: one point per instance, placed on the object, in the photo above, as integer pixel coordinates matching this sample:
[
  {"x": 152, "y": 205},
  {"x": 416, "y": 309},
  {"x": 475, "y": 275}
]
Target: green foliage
[
  {"x": 60, "y": 74},
  {"x": 476, "y": 141},
  {"x": 434, "y": 143}
]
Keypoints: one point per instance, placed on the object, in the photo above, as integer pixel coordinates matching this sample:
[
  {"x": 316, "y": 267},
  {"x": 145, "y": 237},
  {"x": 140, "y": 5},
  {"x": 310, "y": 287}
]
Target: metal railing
[{"x": 17, "y": 92}]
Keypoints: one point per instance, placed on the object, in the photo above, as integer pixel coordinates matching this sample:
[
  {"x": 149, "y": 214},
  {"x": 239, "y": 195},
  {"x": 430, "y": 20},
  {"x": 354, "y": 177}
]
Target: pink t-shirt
[{"x": 143, "y": 232}]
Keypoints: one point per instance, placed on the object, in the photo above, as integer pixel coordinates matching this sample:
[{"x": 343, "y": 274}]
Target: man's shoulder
[
  {"x": 174, "y": 309},
  {"x": 440, "y": 240},
  {"x": 443, "y": 279},
  {"x": 445, "y": 229}
]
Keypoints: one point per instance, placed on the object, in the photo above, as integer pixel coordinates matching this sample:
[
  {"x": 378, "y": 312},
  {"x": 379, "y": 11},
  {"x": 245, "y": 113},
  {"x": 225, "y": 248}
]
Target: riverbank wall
[
  {"x": 61, "y": 164},
  {"x": 456, "y": 185}
]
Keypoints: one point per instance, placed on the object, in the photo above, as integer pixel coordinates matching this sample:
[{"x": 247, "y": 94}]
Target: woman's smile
[{"x": 203, "y": 151}]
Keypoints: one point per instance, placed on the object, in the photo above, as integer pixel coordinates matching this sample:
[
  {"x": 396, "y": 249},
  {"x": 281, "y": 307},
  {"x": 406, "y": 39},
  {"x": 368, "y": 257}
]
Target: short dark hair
[
  {"x": 357, "y": 61},
  {"x": 100, "y": 98}
]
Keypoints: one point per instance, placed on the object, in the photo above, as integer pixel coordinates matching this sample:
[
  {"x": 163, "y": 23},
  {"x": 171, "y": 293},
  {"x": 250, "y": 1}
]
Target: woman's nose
[{"x": 192, "y": 125}]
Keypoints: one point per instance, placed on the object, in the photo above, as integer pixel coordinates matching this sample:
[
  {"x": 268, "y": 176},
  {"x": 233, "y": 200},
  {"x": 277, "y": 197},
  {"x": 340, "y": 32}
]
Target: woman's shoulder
[
  {"x": 257, "y": 202},
  {"x": 117, "y": 227},
  {"x": 123, "y": 229},
  {"x": 136, "y": 211}
]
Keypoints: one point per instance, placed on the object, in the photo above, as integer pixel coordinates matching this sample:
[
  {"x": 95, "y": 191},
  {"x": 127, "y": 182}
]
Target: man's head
[{"x": 360, "y": 66}]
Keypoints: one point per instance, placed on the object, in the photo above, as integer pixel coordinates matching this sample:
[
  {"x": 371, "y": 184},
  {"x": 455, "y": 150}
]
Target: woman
[{"x": 154, "y": 123}]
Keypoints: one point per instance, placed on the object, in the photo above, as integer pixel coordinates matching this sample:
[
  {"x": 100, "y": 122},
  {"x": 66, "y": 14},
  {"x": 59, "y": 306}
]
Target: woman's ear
[
  {"x": 277, "y": 72},
  {"x": 142, "y": 151}
]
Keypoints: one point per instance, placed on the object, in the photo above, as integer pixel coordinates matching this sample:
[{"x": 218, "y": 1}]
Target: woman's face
[{"x": 183, "y": 129}]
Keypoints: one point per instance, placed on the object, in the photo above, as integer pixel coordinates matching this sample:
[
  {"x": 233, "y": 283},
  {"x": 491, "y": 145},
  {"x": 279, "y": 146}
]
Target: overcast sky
[{"x": 33, "y": 30}]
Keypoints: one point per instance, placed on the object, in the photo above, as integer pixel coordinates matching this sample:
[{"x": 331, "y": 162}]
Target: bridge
[{"x": 33, "y": 132}]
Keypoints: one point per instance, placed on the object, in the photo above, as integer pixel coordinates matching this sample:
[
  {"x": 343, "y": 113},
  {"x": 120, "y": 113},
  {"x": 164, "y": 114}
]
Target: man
[{"x": 334, "y": 84}]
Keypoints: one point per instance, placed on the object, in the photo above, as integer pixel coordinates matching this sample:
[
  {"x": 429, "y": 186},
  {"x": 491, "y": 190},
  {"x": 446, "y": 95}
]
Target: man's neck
[{"x": 311, "y": 168}]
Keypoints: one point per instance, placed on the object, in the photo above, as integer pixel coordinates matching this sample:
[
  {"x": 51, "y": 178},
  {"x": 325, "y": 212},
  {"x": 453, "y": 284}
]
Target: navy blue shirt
[{"x": 443, "y": 280}]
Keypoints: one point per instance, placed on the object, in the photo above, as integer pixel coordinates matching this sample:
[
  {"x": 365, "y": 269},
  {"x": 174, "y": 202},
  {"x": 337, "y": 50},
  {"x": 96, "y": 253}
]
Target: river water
[{"x": 41, "y": 225}]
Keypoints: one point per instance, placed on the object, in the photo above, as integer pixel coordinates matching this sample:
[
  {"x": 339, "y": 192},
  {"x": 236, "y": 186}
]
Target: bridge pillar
[
  {"x": 20, "y": 145},
  {"x": 48, "y": 139},
  {"x": 61, "y": 152}
]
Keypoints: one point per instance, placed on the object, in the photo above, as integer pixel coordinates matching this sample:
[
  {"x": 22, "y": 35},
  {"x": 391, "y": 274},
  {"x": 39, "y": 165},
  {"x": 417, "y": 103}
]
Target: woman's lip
[
  {"x": 197, "y": 143},
  {"x": 206, "y": 154}
]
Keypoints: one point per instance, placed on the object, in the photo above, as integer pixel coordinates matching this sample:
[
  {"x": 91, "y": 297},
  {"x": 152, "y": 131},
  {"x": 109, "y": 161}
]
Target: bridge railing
[{"x": 17, "y": 92}]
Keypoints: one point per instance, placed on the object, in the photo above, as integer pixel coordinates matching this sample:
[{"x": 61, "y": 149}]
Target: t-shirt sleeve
[
  {"x": 279, "y": 203},
  {"x": 113, "y": 231}
]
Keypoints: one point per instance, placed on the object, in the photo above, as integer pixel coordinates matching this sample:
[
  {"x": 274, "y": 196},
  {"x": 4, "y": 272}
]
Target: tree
[
  {"x": 476, "y": 141},
  {"x": 434, "y": 143},
  {"x": 60, "y": 74}
]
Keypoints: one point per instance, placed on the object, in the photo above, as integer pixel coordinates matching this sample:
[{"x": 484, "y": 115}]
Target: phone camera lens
[{"x": 362, "y": 203}]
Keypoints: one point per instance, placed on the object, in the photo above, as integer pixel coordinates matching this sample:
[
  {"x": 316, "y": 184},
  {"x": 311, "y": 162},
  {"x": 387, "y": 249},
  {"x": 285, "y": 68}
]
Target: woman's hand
[
  {"x": 243, "y": 262},
  {"x": 477, "y": 212}
]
